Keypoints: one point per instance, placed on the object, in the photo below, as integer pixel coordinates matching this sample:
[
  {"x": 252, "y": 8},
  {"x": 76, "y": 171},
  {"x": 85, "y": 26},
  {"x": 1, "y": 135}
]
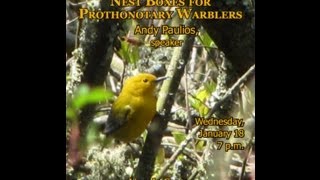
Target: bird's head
[{"x": 142, "y": 84}]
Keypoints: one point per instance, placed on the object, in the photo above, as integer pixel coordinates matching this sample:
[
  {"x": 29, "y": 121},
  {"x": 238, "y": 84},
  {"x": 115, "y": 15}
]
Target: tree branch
[
  {"x": 96, "y": 49},
  {"x": 165, "y": 101}
]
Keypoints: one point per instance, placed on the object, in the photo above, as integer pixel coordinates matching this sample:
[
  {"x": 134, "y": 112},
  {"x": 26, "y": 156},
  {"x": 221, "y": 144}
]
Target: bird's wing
[{"x": 117, "y": 119}]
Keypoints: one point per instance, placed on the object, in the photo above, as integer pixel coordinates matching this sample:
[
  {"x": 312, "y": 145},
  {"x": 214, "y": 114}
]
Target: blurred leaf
[
  {"x": 92, "y": 135},
  {"x": 179, "y": 136},
  {"x": 180, "y": 157},
  {"x": 200, "y": 145},
  {"x": 134, "y": 54},
  {"x": 195, "y": 103},
  {"x": 79, "y": 99},
  {"x": 85, "y": 96},
  {"x": 210, "y": 86},
  {"x": 203, "y": 110},
  {"x": 70, "y": 114},
  {"x": 128, "y": 52},
  {"x": 98, "y": 94},
  {"x": 201, "y": 96},
  {"x": 160, "y": 156},
  {"x": 123, "y": 52},
  {"x": 206, "y": 39}
]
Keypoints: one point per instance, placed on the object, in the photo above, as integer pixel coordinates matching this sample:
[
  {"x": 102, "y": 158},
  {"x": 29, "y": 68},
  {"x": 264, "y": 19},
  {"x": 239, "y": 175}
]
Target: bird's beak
[{"x": 159, "y": 79}]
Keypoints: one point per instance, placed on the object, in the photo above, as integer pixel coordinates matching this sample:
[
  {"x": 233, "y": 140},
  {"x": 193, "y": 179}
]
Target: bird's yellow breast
[{"x": 142, "y": 112}]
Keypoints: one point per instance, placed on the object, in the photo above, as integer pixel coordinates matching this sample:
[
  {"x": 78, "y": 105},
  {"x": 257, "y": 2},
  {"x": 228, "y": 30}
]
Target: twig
[
  {"x": 79, "y": 24},
  {"x": 202, "y": 46},
  {"x": 175, "y": 126},
  {"x": 207, "y": 76},
  {"x": 79, "y": 4},
  {"x": 227, "y": 95},
  {"x": 189, "y": 121},
  {"x": 243, "y": 169},
  {"x": 194, "y": 174},
  {"x": 113, "y": 85},
  {"x": 114, "y": 74},
  {"x": 123, "y": 72},
  {"x": 186, "y": 149},
  {"x": 244, "y": 163},
  {"x": 70, "y": 21},
  {"x": 69, "y": 61}
]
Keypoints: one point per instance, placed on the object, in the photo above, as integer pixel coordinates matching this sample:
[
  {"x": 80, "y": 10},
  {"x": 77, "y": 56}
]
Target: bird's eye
[{"x": 145, "y": 80}]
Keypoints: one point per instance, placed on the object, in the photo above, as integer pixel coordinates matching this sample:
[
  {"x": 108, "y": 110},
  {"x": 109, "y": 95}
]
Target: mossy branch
[
  {"x": 165, "y": 101},
  {"x": 96, "y": 49}
]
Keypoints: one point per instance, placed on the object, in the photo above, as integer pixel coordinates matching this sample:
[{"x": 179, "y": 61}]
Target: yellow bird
[{"x": 134, "y": 108}]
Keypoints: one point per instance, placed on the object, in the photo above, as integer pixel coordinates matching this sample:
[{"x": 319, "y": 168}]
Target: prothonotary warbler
[{"x": 134, "y": 108}]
